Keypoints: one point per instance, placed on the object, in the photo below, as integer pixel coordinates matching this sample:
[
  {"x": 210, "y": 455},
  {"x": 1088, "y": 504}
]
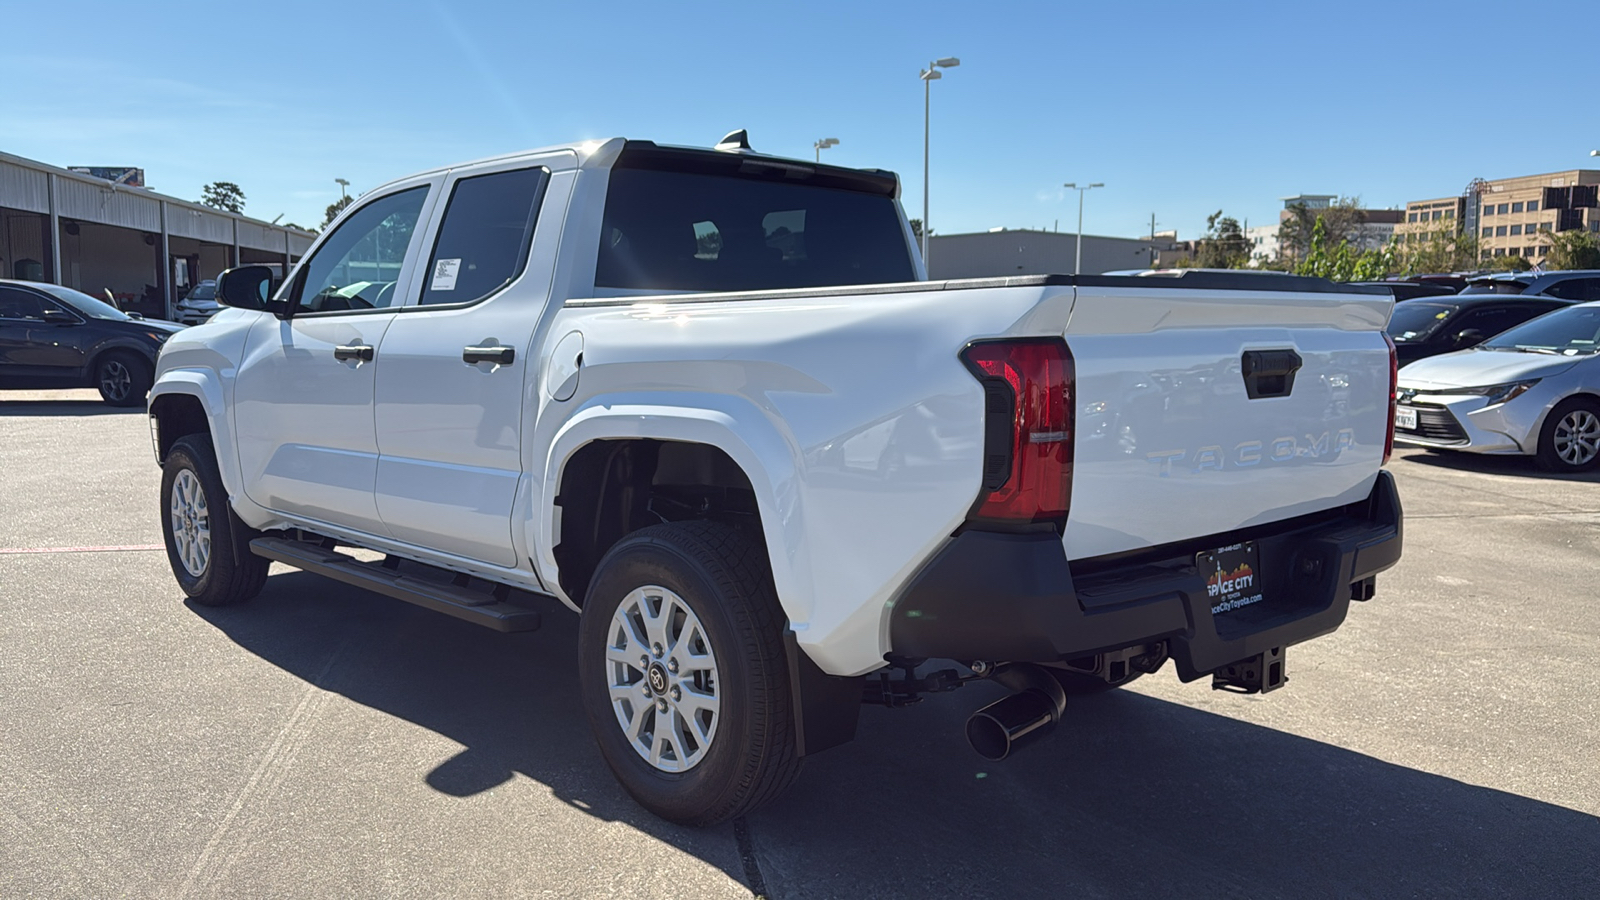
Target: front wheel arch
[{"x": 1547, "y": 453}]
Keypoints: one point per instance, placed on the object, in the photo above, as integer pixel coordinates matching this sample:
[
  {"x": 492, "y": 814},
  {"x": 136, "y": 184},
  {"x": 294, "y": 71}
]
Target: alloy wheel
[
  {"x": 1577, "y": 437},
  {"x": 115, "y": 379},
  {"x": 191, "y": 523},
  {"x": 662, "y": 677}
]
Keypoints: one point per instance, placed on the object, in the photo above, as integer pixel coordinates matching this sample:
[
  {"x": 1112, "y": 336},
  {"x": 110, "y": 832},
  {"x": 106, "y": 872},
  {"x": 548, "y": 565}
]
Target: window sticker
[{"x": 444, "y": 274}]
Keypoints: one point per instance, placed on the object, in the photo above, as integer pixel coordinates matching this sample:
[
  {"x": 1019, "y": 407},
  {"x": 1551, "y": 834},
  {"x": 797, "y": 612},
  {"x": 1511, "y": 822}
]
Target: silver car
[
  {"x": 199, "y": 304},
  {"x": 1533, "y": 390}
]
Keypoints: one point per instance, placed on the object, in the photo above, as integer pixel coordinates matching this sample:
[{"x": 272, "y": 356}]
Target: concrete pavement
[{"x": 326, "y": 742}]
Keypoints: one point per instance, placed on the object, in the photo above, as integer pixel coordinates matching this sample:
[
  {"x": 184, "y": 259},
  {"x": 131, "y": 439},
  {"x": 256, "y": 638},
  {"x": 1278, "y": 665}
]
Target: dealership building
[{"x": 102, "y": 236}]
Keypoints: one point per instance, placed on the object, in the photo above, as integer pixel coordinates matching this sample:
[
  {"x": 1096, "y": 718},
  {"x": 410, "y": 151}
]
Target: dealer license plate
[
  {"x": 1405, "y": 417},
  {"x": 1233, "y": 576}
]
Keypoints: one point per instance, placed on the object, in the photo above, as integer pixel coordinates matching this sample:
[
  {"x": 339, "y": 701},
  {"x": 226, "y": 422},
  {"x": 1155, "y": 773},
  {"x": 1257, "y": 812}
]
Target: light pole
[
  {"x": 342, "y": 183},
  {"x": 1077, "y": 255},
  {"x": 824, "y": 144},
  {"x": 929, "y": 75}
]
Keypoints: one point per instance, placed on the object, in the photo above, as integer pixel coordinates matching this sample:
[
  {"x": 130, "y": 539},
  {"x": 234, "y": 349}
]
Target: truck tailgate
[{"x": 1170, "y": 443}]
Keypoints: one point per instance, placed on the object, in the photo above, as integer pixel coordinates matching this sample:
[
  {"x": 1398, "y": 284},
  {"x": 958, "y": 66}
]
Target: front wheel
[
  {"x": 207, "y": 546},
  {"x": 1570, "y": 438},
  {"x": 684, "y": 675}
]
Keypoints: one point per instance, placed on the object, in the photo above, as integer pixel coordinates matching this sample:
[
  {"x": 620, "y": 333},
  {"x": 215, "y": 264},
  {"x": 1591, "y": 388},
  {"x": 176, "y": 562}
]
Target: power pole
[{"x": 1152, "y": 240}]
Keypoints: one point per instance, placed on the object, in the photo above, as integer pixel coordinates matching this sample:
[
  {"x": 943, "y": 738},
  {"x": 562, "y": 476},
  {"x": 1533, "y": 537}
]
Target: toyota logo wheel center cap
[{"x": 658, "y": 678}]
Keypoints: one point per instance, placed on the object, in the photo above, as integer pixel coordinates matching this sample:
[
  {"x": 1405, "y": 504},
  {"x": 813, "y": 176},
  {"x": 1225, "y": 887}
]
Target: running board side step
[{"x": 494, "y": 608}]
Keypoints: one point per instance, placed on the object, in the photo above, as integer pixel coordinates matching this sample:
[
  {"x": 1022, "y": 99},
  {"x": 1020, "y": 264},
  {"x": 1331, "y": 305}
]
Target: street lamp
[
  {"x": 1594, "y": 152},
  {"x": 824, "y": 144},
  {"x": 1077, "y": 255},
  {"x": 342, "y": 183},
  {"x": 929, "y": 75}
]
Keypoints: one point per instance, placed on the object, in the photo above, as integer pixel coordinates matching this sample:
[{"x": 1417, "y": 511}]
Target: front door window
[{"x": 358, "y": 265}]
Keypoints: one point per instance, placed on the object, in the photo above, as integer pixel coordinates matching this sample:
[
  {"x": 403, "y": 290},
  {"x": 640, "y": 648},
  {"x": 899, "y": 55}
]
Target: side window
[
  {"x": 358, "y": 265},
  {"x": 1570, "y": 289},
  {"x": 19, "y": 304},
  {"x": 483, "y": 240},
  {"x": 1492, "y": 321}
]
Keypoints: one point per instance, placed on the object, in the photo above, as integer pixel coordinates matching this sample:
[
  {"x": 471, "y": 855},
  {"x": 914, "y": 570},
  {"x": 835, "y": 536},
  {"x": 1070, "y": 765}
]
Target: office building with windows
[{"x": 1507, "y": 215}]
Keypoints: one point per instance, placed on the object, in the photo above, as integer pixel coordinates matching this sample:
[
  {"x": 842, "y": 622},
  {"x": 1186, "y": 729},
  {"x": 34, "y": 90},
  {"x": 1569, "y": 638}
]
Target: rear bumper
[{"x": 1016, "y": 597}]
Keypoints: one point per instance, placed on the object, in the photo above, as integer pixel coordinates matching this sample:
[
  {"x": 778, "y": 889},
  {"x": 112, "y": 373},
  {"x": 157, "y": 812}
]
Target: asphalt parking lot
[{"x": 325, "y": 742}]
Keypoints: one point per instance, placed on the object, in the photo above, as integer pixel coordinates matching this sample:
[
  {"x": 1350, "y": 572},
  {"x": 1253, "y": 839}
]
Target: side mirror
[
  {"x": 246, "y": 287},
  {"x": 60, "y": 317},
  {"x": 1470, "y": 337}
]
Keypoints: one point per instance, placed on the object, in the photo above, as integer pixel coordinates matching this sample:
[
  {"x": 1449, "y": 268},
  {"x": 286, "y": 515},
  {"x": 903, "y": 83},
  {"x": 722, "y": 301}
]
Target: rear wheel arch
[{"x": 610, "y": 488}]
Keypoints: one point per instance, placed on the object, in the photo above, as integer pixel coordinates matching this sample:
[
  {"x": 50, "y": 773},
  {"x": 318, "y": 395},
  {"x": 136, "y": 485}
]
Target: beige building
[{"x": 1507, "y": 214}]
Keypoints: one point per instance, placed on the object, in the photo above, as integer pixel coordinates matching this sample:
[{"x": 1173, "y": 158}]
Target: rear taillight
[
  {"x": 1027, "y": 452},
  {"x": 1394, "y": 396}
]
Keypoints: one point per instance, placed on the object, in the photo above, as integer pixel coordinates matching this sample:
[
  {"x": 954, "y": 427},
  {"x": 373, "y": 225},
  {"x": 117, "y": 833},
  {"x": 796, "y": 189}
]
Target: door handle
[
  {"x": 361, "y": 352},
  {"x": 500, "y": 356}
]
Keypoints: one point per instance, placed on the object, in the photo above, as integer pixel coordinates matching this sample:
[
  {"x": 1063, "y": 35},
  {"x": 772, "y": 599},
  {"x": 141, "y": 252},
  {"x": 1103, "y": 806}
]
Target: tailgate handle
[{"x": 1269, "y": 373}]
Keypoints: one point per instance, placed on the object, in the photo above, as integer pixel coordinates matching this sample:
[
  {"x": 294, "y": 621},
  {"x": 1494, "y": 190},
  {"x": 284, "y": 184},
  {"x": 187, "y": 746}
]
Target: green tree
[
  {"x": 1341, "y": 262},
  {"x": 1576, "y": 249},
  {"x": 1442, "y": 250},
  {"x": 1224, "y": 245},
  {"x": 1342, "y": 220},
  {"x": 334, "y": 209},
  {"x": 223, "y": 195},
  {"x": 916, "y": 230}
]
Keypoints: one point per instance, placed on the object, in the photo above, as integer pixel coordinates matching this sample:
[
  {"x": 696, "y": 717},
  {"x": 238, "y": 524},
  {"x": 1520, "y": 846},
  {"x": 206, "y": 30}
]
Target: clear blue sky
[{"x": 1180, "y": 108}]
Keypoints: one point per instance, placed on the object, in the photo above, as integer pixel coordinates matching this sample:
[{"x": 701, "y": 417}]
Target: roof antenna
[{"x": 735, "y": 142}]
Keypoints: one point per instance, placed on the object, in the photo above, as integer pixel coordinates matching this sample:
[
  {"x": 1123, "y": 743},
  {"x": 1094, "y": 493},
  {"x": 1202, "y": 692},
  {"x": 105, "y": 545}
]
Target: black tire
[
  {"x": 1575, "y": 424},
  {"x": 230, "y": 573},
  {"x": 123, "y": 378},
  {"x": 1077, "y": 684},
  {"x": 721, "y": 574}
]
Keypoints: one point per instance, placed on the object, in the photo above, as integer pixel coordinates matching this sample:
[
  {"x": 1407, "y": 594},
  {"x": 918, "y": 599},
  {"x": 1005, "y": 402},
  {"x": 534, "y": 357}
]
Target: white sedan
[{"x": 1533, "y": 390}]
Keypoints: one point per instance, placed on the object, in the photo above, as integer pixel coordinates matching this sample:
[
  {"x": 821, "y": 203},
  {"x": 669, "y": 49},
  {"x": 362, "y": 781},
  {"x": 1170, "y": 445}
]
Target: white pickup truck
[{"x": 707, "y": 399}]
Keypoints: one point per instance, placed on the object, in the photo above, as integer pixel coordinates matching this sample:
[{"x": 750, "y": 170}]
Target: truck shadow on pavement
[{"x": 1131, "y": 796}]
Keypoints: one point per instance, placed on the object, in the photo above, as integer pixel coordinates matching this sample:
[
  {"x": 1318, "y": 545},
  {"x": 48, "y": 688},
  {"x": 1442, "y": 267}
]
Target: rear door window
[
  {"x": 484, "y": 238},
  {"x": 1575, "y": 289},
  {"x": 696, "y": 231}
]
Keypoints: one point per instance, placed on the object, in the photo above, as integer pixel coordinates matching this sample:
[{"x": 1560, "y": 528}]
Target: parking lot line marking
[{"x": 111, "y": 549}]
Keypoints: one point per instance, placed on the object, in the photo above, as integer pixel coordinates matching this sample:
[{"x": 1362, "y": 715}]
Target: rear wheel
[
  {"x": 123, "y": 379},
  {"x": 684, "y": 674},
  {"x": 207, "y": 546},
  {"x": 1570, "y": 438}
]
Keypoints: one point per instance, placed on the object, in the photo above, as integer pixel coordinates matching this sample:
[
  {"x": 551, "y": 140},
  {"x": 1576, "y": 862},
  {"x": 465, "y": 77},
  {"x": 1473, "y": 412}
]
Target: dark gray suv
[{"x": 55, "y": 337}]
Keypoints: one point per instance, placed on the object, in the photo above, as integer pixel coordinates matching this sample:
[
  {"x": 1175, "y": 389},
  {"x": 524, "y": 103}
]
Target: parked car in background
[
  {"x": 54, "y": 337},
  {"x": 199, "y": 304},
  {"x": 1534, "y": 390},
  {"x": 1411, "y": 290},
  {"x": 1429, "y": 327},
  {"x": 1577, "y": 285}
]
